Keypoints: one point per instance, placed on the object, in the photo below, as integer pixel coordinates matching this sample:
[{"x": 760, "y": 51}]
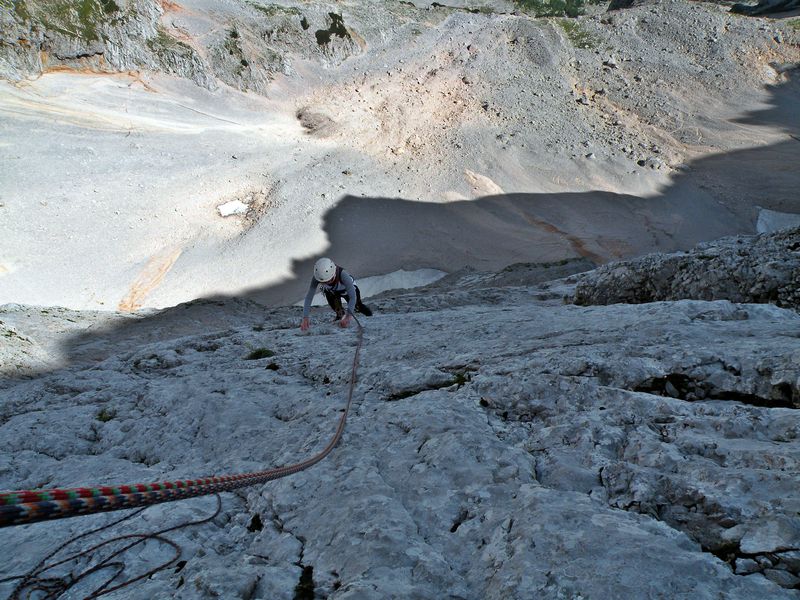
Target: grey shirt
[{"x": 345, "y": 284}]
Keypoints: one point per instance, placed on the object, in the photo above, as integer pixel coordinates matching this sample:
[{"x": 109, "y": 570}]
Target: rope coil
[{"x": 30, "y": 506}]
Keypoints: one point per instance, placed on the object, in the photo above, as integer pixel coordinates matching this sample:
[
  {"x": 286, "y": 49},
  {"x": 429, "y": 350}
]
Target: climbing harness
[{"x": 30, "y": 506}]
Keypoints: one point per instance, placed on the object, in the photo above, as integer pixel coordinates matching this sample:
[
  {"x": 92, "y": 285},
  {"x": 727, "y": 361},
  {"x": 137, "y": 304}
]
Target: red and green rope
[{"x": 29, "y": 506}]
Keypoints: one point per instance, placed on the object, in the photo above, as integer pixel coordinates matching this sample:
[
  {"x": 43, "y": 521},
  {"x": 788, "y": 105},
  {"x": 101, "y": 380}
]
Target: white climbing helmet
[{"x": 324, "y": 270}]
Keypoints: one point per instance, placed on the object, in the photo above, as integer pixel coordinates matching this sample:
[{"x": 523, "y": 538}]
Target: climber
[{"x": 335, "y": 283}]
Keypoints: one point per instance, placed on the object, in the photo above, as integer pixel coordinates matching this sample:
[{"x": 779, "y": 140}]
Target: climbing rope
[
  {"x": 30, "y": 506},
  {"x": 53, "y": 587}
]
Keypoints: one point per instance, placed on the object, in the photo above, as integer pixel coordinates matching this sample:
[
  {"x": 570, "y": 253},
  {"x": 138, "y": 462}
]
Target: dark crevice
[
  {"x": 255, "y": 524},
  {"x": 459, "y": 378},
  {"x": 462, "y": 516},
  {"x": 684, "y": 387},
  {"x": 731, "y": 552},
  {"x": 728, "y": 551},
  {"x": 304, "y": 590}
]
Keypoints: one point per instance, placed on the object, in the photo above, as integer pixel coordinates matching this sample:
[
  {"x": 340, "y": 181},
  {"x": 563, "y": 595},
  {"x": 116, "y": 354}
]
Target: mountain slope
[
  {"x": 503, "y": 444},
  {"x": 618, "y": 133}
]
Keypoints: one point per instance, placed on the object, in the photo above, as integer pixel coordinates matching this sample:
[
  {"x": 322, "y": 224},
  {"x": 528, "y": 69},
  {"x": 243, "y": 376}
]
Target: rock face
[
  {"x": 93, "y": 35},
  {"x": 764, "y": 7},
  {"x": 764, "y": 268},
  {"x": 502, "y": 445},
  {"x": 245, "y": 48}
]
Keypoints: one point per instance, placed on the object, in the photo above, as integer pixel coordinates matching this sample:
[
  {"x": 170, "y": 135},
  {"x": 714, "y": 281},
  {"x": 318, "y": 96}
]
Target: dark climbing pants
[{"x": 335, "y": 300}]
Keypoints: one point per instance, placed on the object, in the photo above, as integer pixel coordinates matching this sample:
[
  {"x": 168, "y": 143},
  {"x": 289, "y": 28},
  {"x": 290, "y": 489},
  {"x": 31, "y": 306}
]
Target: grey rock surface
[
  {"x": 764, "y": 268},
  {"x": 503, "y": 442},
  {"x": 502, "y": 445}
]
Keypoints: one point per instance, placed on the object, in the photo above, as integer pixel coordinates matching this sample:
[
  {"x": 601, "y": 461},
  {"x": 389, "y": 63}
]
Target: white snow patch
[
  {"x": 234, "y": 207},
  {"x": 397, "y": 280},
  {"x": 772, "y": 220}
]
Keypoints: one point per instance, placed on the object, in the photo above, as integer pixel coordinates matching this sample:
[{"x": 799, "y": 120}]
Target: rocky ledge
[{"x": 764, "y": 268}]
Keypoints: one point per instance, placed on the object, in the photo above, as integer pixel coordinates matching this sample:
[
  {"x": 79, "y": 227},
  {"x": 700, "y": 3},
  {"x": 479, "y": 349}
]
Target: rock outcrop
[
  {"x": 765, "y": 7},
  {"x": 763, "y": 268},
  {"x": 93, "y": 35},
  {"x": 245, "y": 49}
]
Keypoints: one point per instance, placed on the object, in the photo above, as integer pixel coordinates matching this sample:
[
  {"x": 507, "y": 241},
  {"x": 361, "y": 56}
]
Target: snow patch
[
  {"x": 234, "y": 207},
  {"x": 772, "y": 220},
  {"x": 397, "y": 280}
]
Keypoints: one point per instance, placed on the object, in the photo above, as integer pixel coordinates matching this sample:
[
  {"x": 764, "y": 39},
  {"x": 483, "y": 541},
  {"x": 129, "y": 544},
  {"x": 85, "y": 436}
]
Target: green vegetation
[
  {"x": 460, "y": 378},
  {"x": 232, "y": 45},
  {"x": 259, "y": 353},
  {"x": 555, "y": 8},
  {"x": 579, "y": 37},
  {"x": 164, "y": 44},
  {"x": 794, "y": 24},
  {"x": 74, "y": 18},
  {"x": 104, "y": 415},
  {"x": 275, "y": 10},
  {"x": 19, "y": 7}
]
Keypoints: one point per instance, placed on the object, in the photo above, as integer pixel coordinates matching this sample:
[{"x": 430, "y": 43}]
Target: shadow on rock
[{"x": 713, "y": 197}]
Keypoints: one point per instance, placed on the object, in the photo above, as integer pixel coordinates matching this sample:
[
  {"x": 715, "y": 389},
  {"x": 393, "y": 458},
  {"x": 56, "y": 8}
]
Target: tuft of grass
[
  {"x": 275, "y": 10},
  {"x": 104, "y": 415},
  {"x": 163, "y": 44},
  {"x": 460, "y": 378},
  {"x": 260, "y": 353},
  {"x": 20, "y": 9},
  {"x": 578, "y": 36},
  {"x": 794, "y": 24},
  {"x": 481, "y": 10},
  {"x": 555, "y": 8}
]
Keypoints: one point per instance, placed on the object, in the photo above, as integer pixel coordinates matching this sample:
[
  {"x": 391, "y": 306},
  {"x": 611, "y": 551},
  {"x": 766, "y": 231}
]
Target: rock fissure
[{"x": 689, "y": 388}]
